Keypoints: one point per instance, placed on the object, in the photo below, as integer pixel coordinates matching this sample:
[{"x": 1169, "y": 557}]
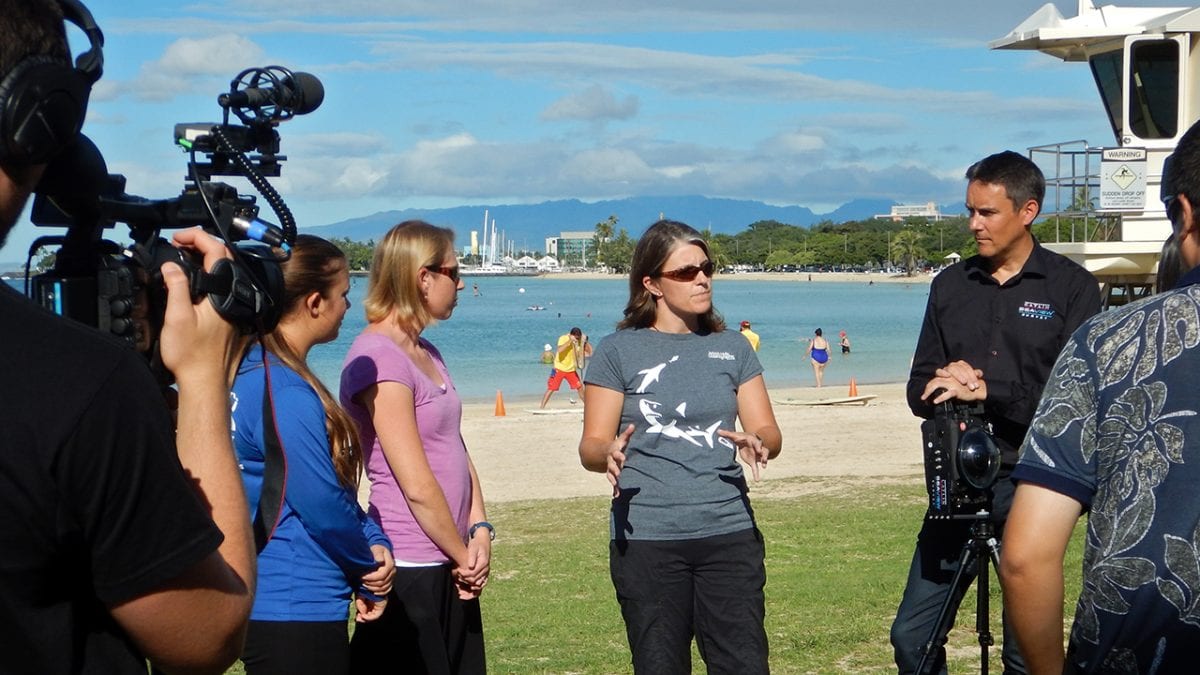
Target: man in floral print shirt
[{"x": 1117, "y": 435}]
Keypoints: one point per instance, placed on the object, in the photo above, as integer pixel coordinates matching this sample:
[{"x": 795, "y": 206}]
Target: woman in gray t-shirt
[{"x": 685, "y": 557}]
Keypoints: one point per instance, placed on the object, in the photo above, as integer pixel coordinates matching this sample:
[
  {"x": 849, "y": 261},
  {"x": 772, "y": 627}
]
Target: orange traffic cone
[
  {"x": 853, "y": 387},
  {"x": 499, "y": 404}
]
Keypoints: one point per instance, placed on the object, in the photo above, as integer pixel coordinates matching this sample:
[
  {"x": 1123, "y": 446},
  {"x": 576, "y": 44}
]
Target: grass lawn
[{"x": 837, "y": 557}]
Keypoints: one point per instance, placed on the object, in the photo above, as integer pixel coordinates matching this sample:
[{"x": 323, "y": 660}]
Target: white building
[{"x": 902, "y": 211}]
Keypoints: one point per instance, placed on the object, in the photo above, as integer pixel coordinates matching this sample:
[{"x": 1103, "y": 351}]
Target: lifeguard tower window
[
  {"x": 1153, "y": 88},
  {"x": 1106, "y": 68}
]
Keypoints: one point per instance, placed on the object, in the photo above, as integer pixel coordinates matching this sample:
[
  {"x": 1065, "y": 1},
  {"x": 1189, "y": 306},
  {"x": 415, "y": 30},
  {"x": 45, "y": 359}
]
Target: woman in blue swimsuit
[{"x": 818, "y": 351}]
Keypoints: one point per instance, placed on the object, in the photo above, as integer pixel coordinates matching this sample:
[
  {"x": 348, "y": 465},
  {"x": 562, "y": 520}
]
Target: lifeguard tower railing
[{"x": 1072, "y": 170}]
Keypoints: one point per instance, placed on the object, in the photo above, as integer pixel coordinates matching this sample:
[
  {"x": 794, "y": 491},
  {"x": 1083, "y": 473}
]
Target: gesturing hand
[
  {"x": 616, "y": 458},
  {"x": 750, "y": 448}
]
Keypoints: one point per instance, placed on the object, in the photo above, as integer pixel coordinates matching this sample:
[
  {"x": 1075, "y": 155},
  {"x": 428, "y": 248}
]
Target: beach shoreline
[{"x": 526, "y": 455}]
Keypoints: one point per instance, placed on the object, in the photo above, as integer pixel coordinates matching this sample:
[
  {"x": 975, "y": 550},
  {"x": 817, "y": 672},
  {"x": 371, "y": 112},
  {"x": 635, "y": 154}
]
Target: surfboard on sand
[
  {"x": 555, "y": 411},
  {"x": 860, "y": 400}
]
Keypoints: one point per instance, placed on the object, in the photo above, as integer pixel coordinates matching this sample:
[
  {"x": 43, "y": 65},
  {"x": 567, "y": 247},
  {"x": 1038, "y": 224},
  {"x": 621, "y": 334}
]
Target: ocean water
[{"x": 494, "y": 341}]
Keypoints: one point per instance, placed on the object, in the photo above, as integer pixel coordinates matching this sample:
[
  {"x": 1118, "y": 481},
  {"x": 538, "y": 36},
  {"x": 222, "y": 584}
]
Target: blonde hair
[
  {"x": 399, "y": 257},
  {"x": 313, "y": 268}
]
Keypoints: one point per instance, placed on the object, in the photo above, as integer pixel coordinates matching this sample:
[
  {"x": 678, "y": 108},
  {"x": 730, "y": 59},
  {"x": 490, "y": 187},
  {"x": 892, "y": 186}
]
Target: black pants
[
  {"x": 425, "y": 628},
  {"x": 711, "y": 588},
  {"x": 297, "y": 647}
]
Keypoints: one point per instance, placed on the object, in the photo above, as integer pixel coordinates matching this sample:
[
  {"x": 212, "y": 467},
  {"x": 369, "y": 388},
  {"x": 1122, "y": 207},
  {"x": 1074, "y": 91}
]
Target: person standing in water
[{"x": 818, "y": 353}]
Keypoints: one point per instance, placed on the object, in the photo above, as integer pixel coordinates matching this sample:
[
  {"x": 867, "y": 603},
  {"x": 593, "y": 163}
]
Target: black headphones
[{"x": 43, "y": 100}]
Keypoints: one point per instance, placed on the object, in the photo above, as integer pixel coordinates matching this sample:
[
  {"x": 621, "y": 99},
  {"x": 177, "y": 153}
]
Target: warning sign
[{"x": 1123, "y": 179}]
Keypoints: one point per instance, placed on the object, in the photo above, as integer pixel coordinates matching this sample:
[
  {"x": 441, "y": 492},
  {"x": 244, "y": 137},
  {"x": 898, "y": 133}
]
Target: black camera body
[
  {"x": 962, "y": 461},
  {"x": 119, "y": 290}
]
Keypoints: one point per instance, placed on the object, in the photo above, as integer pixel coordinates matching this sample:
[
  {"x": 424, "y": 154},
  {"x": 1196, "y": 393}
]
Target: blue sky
[{"x": 431, "y": 104}]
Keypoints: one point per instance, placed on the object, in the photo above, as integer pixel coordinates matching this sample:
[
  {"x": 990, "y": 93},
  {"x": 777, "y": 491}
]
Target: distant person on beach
[
  {"x": 547, "y": 354},
  {"x": 125, "y": 536},
  {"x": 569, "y": 361},
  {"x": 475, "y": 289},
  {"x": 424, "y": 489},
  {"x": 750, "y": 335},
  {"x": 1116, "y": 437},
  {"x": 845, "y": 342},
  {"x": 322, "y": 550},
  {"x": 664, "y": 394},
  {"x": 993, "y": 325},
  {"x": 818, "y": 355}
]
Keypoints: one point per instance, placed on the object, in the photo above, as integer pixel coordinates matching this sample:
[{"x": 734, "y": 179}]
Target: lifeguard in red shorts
[{"x": 573, "y": 350}]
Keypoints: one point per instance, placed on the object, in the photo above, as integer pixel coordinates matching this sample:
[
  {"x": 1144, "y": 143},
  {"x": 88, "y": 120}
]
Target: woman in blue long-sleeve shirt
[{"x": 324, "y": 549}]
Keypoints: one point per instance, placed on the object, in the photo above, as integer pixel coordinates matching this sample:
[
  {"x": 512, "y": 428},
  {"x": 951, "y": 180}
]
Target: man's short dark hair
[
  {"x": 1181, "y": 173},
  {"x": 1021, "y": 178},
  {"x": 31, "y": 28},
  {"x": 576, "y": 332}
]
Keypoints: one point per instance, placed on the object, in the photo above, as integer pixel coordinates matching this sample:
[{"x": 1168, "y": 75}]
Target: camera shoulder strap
[{"x": 270, "y": 499}]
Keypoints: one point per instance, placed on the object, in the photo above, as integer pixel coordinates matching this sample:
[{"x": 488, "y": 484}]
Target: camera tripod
[{"x": 977, "y": 550}]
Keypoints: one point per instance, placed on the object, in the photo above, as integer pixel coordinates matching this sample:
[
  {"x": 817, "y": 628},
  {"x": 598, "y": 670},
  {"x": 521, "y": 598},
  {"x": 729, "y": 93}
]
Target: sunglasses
[
  {"x": 690, "y": 271},
  {"x": 451, "y": 272}
]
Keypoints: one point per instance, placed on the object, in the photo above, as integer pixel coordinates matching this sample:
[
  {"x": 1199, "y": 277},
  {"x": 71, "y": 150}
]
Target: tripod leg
[
  {"x": 942, "y": 625},
  {"x": 982, "y": 609}
]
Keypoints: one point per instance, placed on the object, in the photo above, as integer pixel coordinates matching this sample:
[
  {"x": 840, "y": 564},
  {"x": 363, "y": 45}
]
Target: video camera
[
  {"x": 961, "y": 460},
  {"x": 118, "y": 289}
]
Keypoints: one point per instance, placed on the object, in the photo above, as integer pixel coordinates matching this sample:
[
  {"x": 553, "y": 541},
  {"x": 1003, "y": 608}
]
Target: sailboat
[{"x": 488, "y": 265}]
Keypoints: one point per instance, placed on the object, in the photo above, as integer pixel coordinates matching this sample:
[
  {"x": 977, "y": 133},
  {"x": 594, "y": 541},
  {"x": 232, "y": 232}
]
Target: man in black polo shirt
[{"x": 993, "y": 328}]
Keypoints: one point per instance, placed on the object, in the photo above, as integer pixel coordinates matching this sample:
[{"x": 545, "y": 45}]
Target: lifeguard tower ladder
[{"x": 1145, "y": 61}]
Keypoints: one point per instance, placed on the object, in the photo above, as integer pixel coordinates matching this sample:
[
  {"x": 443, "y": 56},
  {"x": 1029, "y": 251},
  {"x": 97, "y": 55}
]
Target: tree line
[{"x": 910, "y": 244}]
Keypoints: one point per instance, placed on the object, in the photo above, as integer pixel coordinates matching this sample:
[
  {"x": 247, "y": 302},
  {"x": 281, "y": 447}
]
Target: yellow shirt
[
  {"x": 752, "y": 337},
  {"x": 565, "y": 360}
]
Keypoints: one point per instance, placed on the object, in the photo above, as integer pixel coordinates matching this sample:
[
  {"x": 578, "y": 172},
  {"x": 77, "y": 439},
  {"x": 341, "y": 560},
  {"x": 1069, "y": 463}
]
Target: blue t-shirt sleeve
[{"x": 328, "y": 510}]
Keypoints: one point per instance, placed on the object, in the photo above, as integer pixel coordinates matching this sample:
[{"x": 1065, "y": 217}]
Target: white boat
[{"x": 489, "y": 266}]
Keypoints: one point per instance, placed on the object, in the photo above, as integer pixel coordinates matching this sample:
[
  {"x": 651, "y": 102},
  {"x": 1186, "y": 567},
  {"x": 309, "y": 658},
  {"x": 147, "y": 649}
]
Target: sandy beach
[{"x": 524, "y": 456}]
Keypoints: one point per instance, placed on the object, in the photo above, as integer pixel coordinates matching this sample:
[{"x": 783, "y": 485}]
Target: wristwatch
[{"x": 483, "y": 523}]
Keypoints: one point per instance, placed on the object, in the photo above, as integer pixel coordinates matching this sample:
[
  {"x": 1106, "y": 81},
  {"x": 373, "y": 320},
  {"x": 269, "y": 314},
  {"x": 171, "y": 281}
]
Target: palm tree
[
  {"x": 906, "y": 249},
  {"x": 604, "y": 232}
]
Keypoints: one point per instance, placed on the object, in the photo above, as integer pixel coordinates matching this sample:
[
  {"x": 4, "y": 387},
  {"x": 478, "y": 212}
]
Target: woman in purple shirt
[{"x": 424, "y": 490}]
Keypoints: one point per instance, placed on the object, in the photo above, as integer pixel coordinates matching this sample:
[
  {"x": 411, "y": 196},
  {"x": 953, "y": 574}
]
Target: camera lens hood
[{"x": 978, "y": 458}]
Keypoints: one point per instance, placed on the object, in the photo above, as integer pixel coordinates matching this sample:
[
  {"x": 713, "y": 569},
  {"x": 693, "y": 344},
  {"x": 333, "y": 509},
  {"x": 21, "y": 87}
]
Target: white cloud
[
  {"x": 596, "y": 103},
  {"x": 190, "y": 64},
  {"x": 792, "y": 143},
  {"x": 938, "y": 17}
]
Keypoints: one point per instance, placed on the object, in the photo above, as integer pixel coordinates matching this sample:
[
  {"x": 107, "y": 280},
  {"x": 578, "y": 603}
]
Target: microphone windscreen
[{"x": 308, "y": 93}]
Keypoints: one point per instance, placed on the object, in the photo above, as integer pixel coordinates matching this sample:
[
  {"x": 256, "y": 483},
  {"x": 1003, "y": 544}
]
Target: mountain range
[{"x": 527, "y": 226}]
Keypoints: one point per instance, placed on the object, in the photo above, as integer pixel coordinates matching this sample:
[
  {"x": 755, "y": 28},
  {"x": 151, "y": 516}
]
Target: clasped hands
[
  {"x": 473, "y": 576},
  {"x": 958, "y": 380}
]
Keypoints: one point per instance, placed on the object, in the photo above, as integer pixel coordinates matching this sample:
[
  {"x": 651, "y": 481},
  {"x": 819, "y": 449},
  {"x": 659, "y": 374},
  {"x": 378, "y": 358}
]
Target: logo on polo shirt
[
  {"x": 1036, "y": 310},
  {"x": 723, "y": 356}
]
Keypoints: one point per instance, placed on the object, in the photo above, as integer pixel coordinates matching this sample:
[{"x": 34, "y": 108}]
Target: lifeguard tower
[{"x": 1146, "y": 64}]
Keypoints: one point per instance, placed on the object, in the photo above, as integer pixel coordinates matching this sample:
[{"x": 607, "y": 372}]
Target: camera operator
[
  {"x": 1117, "y": 437},
  {"x": 993, "y": 326},
  {"x": 121, "y": 538}
]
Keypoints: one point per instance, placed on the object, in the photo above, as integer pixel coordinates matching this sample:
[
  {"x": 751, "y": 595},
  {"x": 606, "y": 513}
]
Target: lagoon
[{"x": 494, "y": 341}]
